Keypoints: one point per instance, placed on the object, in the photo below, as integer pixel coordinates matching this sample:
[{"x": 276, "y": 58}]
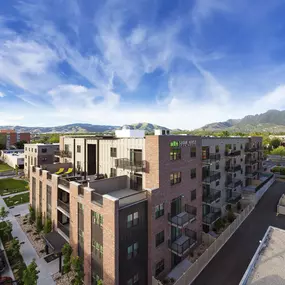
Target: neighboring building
[
  {"x": 8, "y": 138},
  {"x": 39, "y": 154},
  {"x": 267, "y": 264},
  {"x": 146, "y": 216},
  {"x": 13, "y": 158}
]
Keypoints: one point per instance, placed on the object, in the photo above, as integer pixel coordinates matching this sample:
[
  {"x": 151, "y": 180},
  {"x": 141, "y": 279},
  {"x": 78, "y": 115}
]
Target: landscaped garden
[
  {"x": 4, "y": 167},
  {"x": 278, "y": 169},
  {"x": 11, "y": 186},
  {"x": 17, "y": 199}
]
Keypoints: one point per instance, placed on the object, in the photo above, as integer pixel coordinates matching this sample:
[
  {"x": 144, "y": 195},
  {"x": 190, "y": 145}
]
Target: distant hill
[
  {"x": 81, "y": 128},
  {"x": 270, "y": 121}
]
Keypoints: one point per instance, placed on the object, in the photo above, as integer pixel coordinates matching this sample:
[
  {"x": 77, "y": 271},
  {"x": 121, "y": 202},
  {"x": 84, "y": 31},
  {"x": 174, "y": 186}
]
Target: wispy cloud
[{"x": 2, "y": 95}]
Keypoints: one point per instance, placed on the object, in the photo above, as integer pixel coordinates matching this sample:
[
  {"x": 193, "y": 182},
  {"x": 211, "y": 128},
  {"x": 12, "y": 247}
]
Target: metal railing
[
  {"x": 63, "y": 182},
  {"x": 97, "y": 198},
  {"x": 63, "y": 153},
  {"x": 211, "y": 217},
  {"x": 211, "y": 158},
  {"x": 181, "y": 248},
  {"x": 232, "y": 153},
  {"x": 196, "y": 268},
  {"x": 212, "y": 196},
  {"x": 63, "y": 205},
  {"x": 233, "y": 183},
  {"x": 126, "y": 163},
  {"x": 250, "y": 174},
  {"x": 251, "y": 149},
  {"x": 63, "y": 228},
  {"x": 232, "y": 168},
  {"x": 183, "y": 218},
  {"x": 211, "y": 176},
  {"x": 234, "y": 198}
]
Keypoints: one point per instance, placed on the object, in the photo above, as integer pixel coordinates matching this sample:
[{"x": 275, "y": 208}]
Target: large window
[
  {"x": 175, "y": 153},
  {"x": 48, "y": 201},
  {"x": 44, "y": 150},
  {"x": 97, "y": 219},
  {"x": 97, "y": 248},
  {"x": 193, "y": 151},
  {"x": 133, "y": 250},
  {"x": 159, "y": 238},
  {"x": 159, "y": 267},
  {"x": 113, "y": 172},
  {"x": 217, "y": 148},
  {"x": 193, "y": 195},
  {"x": 159, "y": 210},
  {"x": 113, "y": 152},
  {"x": 193, "y": 173},
  {"x": 79, "y": 148},
  {"x": 175, "y": 178},
  {"x": 132, "y": 220}
]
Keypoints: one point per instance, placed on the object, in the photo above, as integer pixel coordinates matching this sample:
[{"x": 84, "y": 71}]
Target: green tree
[
  {"x": 54, "y": 138},
  {"x": 7, "y": 230},
  {"x": 17, "y": 169},
  {"x": 77, "y": 266},
  {"x": 275, "y": 142},
  {"x": 31, "y": 273},
  {"x": 279, "y": 151},
  {"x": 231, "y": 216},
  {"x": 47, "y": 226},
  {"x": 39, "y": 222},
  {"x": 3, "y": 213},
  {"x": 32, "y": 214},
  {"x": 100, "y": 282},
  {"x": 66, "y": 252},
  {"x": 20, "y": 144},
  {"x": 14, "y": 248}
]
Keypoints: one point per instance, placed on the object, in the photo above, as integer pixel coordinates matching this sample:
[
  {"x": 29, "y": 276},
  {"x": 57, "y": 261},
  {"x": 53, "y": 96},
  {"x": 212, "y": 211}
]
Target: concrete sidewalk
[
  {"x": 14, "y": 194},
  {"x": 27, "y": 250}
]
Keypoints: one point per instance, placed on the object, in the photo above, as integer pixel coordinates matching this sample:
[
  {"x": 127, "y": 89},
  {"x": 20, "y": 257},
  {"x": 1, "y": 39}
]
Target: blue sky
[{"x": 181, "y": 64}]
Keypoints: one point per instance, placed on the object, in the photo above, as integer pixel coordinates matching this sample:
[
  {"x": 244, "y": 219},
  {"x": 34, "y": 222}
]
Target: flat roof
[
  {"x": 122, "y": 193},
  {"x": 267, "y": 265}
]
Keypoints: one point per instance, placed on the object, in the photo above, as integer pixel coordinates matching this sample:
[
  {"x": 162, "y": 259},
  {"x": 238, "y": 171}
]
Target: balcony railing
[
  {"x": 212, "y": 196},
  {"x": 212, "y": 157},
  {"x": 234, "y": 198},
  {"x": 49, "y": 176},
  {"x": 63, "y": 182},
  {"x": 251, "y": 149},
  {"x": 184, "y": 217},
  {"x": 126, "y": 163},
  {"x": 81, "y": 190},
  {"x": 231, "y": 168},
  {"x": 233, "y": 183},
  {"x": 211, "y": 176},
  {"x": 63, "y": 228},
  {"x": 97, "y": 198},
  {"x": 250, "y": 161},
  {"x": 65, "y": 206},
  {"x": 63, "y": 153},
  {"x": 250, "y": 174},
  {"x": 213, "y": 216},
  {"x": 183, "y": 243},
  {"x": 232, "y": 153}
]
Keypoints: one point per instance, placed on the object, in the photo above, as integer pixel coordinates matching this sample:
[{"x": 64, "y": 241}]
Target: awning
[{"x": 55, "y": 241}]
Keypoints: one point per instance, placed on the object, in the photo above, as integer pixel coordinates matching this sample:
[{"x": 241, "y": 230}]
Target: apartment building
[
  {"x": 9, "y": 138},
  {"x": 39, "y": 154},
  {"x": 148, "y": 211}
]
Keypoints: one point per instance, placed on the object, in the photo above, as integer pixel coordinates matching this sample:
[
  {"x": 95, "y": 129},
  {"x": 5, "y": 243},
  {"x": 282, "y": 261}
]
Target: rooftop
[{"x": 267, "y": 264}]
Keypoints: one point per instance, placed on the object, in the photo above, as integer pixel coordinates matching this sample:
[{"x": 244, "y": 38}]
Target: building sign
[{"x": 182, "y": 143}]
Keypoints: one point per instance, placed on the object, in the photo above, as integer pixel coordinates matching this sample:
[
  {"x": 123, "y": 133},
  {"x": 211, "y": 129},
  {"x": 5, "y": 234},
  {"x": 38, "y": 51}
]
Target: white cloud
[{"x": 2, "y": 94}]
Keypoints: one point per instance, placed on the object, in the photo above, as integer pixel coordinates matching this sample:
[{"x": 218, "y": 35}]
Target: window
[
  {"x": 35, "y": 150},
  {"x": 78, "y": 165},
  {"x": 241, "y": 160},
  {"x": 159, "y": 238},
  {"x": 113, "y": 172},
  {"x": 44, "y": 150},
  {"x": 193, "y": 195},
  {"x": 175, "y": 153},
  {"x": 132, "y": 219},
  {"x": 241, "y": 146},
  {"x": 97, "y": 219},
  {"x": 133, "y": 250},
  {"x": 159, "y": 267},
  {"x": 193, "y": 151},
  {"x": 193, "y": 173},
  {"x": 217, "y": 149},
  {"x": 175, "y": 178},
  {"x": 113, "y": 152},
  {"x": 97, "y": 248},
  {"x": 217, "y": 183},
  {"x": 235, "y": 147},
  {"x": 80, "y": 236},
  {"x": 217, "y": 165},
  {"x": 78, "y": 148},
  {"x": 80, "y": 208},
  {"x": 159, "y": 210}
]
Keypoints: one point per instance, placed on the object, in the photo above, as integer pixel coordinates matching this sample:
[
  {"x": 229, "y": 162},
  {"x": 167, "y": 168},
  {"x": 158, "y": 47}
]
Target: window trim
[
  {"x": 175, "y": 153},
  {"x": 134, "y": 221},
  {"x": 113, "y": 151},
  {"x": 159, "y": 238},
  {"x": 160, "y": 212},
  {"x": 192, "y": 153},
  {"x": 175, "y": 178}
]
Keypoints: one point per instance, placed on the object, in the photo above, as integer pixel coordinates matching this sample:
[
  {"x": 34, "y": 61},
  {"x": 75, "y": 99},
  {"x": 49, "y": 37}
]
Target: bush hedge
[{"x": 278, "y": 169}]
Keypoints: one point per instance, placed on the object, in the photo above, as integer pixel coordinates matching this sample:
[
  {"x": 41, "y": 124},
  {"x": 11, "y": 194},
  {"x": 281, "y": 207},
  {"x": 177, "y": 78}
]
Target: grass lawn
[
  {"x": 5, "y": 167},
  {"x": 13, "y": 186},
  {"x": 17, "y": 199}
]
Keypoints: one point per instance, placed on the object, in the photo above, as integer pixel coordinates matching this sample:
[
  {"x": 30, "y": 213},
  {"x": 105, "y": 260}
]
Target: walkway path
[
  {"x": 27, "y": 250},
  {"x": 230, "y": 263},
  {"x": 14, "y": 194}
]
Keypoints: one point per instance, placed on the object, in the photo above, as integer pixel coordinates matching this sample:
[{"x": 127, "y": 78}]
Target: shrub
[
  {"x": 231, "y": 216},
  {"x": 238, "y": 206},
  {"x": 66, "y": 252},
  {"x": 39, "y": 222},
  {"x": 228, "y": 207},
  {"x": 32, "y": 214},
  {"x": 47, "y": 226},
  {"x": 219, "y": 224}
]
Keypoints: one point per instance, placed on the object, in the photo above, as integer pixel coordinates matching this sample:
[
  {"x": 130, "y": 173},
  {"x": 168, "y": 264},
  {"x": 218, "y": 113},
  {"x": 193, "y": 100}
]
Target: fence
[{"x": 195, "y": 269}]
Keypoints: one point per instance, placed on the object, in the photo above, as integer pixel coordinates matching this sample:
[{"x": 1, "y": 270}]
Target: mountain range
[
  {"x": 81, "y": 128},
  {"x": 270, "y": 121}
]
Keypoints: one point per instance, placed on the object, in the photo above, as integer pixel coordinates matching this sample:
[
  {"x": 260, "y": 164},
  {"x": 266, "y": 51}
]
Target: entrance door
[
  {"x": 175, "y": 233},
  {"x": 176, "y": 206}
]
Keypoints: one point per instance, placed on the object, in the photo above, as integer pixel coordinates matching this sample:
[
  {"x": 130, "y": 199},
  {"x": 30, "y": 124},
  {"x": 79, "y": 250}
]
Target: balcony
[
  {"x": 63, "y": 182},
  {"x": 251, "y": 149},
  {"x": 250, "y": 162},
  {"x": 63, "y": 153},
  {"x": 126, "y": 163},
  {"x": 64, "y": 228},
  {"x": 211, "y": 196},
  {"x": 212, "y": 157},
  {"x": 182, "y": 244},
  {"x": 213, "y": 216},
  {"x": 232, "y": 153},
  {"x": 183, "y": 218},
  {"x": 63, "y": 205},
  {"x": 250, "y": 174},
  {"x": 233, "y": 183},
  {"x": 233, "y": 198},
  {"x": 231, "y": 168},
  {"x": 211, "y": 176}
]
